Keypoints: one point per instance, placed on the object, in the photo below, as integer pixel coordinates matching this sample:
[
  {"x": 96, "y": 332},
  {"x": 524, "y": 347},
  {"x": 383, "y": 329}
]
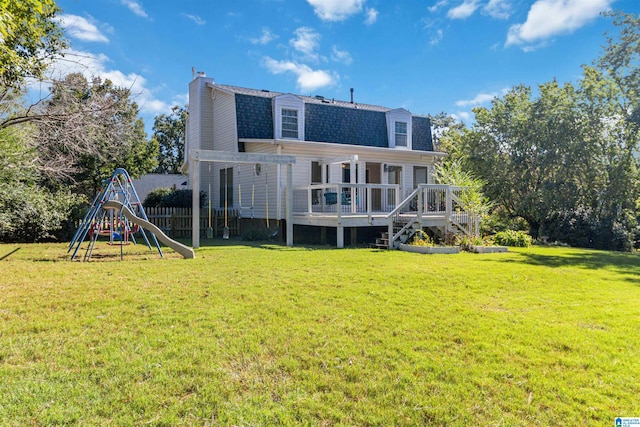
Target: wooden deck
[{"x": 377, "y": 205}]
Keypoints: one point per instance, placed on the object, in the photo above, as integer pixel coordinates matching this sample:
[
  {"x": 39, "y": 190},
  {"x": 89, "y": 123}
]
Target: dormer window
[
  {"x": 401, "y": 134},
  {"x": 289, "y": 123},
  {"x": 399, "y": 128},
  {"x": 288, "y": 117}
]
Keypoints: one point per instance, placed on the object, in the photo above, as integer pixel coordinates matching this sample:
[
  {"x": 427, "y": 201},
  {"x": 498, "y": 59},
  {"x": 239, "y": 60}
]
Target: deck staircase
[
  {"x": 428, "y": 206},
  {"x": 404, "y": 231}
]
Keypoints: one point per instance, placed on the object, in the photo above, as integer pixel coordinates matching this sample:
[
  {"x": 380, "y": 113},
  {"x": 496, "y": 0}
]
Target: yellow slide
[{"x": 183, "y": 250}]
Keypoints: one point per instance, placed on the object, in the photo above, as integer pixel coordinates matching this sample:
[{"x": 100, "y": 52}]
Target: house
[
  {"x": 152, "y": 181},
  {"x": 358, "y": 167}
]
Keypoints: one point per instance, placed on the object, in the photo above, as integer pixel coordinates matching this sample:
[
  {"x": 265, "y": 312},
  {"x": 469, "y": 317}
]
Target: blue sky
[{"x": 426, "y": 56}]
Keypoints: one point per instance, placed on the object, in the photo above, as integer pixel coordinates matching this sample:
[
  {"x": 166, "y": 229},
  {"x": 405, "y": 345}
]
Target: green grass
[{"x": 268, "y": 335}]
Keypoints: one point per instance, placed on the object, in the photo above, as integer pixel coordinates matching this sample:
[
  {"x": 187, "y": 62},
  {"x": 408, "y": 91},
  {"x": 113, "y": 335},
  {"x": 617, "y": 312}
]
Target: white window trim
[
  {"x": 288, "y": 102},
  {"x": 399, "y": 115}
]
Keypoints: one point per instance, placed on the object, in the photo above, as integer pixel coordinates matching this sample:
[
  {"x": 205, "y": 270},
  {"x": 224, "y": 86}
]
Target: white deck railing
[
  {"x": 428, "y": 201},
  {"x": 345, "y": 199}
]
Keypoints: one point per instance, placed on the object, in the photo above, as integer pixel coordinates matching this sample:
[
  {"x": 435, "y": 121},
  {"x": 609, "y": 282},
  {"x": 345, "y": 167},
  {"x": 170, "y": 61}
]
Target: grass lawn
[{"x": 269, "y": 335}]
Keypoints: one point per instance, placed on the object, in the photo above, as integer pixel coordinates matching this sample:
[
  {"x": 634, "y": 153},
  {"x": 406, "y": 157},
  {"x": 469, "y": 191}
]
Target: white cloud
[
  {"x": 336, "y": 10},
  {"x": 306, "y": 41},
  {"x": 462, "y": 116},
  {"x": 135, "y": 7},
  {"x": 547, "y": 18},
  {"x": 463, "y": 11},
  {"x": 195, "y": 18},
  {"x": 341, "y": 56},
  {"x": 437, "y": 37},
  {"x": 307, "y": 78},
  {"x": 97, "y": 65},
  {"x": 265, "y": 38},
  {"x": 372, "y": 16},
  {"x": 438, "y": 5},
  {"x": 499, "y": 9},
  {"x": 81, "y": 29},
  {"x": 481, "y": 98}
]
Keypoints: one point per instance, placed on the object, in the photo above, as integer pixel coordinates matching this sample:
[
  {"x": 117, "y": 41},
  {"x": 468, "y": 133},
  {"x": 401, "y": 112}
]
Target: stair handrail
[{"x": 393, "y": 237}]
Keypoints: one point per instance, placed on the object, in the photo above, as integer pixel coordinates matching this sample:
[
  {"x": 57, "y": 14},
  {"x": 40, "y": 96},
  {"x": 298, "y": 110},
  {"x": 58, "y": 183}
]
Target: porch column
[
  {"x": 353, "y": 180},
  {"x": 194, "y": 164},
  {"x": 289, "y": 203},
  {"x": 340, "y": 235}
]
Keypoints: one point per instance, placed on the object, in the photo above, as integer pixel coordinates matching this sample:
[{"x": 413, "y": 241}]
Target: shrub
[
  {"x": 512, "y": 238},
  {"x": 168, "y": 198},
  {"x": 581, "y": 227},
  {"x": 155, "y": 197},
  {"x": 30, "y": 213},
  {"x": 420, "y": 238},
  {"x": 467, "y": 242}
]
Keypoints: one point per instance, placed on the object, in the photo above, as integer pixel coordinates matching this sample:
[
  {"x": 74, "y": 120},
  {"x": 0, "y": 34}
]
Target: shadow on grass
[{"x": 621, "y": 262}]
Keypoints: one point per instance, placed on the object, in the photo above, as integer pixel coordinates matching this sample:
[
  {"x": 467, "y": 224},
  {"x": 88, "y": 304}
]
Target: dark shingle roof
[
  {"x": 354, "y": 124},
  {"x": 307, "y": 99}
]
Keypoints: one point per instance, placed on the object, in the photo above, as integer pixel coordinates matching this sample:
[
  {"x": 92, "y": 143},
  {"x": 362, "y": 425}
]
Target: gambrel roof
[{"x": 326, "y": 120}]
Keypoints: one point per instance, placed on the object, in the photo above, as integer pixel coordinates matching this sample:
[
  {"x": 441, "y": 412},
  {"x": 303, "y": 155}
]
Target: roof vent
[{"x": 202, "y": 74}]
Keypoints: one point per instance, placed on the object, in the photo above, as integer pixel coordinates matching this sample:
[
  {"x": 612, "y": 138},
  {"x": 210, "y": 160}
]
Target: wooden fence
[{"x": 176, "y": 222}]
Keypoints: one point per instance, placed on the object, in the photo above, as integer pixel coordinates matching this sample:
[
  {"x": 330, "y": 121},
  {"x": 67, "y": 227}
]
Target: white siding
[{"x": 225, "y": 129}]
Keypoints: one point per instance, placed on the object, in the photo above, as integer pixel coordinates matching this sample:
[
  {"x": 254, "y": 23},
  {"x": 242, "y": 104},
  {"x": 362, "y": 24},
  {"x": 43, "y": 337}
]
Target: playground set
[{"x": 117, "y": 213}]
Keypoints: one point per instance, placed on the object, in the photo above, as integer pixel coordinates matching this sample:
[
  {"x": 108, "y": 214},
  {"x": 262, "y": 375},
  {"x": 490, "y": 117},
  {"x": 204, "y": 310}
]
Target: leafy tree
[
  {"x": 445, "y": 131},
  {"x": 471, "y": 197},
  {"x": 520, "y": 156},
  {"x": 621, "y": 60},
  {"x": 28, "y": 212},
  {"x": 30, "y": 38},
  {"x": 89, "y": 128},
  {"x": 169, "y": 132}
]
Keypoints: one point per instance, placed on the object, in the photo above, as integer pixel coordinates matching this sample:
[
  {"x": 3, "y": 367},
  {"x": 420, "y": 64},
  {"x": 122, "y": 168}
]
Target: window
[
  {"x": 288, "y": 117},
  {"x": 289, "y": 123},
  {"x": 399, "y": 129},
  {"x": 401, "y": 134},
  {"x": 316, "y": 178},
  {"x": 316, "y": 173}
]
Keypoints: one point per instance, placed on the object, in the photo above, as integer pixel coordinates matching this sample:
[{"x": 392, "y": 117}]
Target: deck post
[
  {"x": 288, "y": 204},
  {"x": 420, "y": 203},
  {"x": 340, "y": 236},
  {"x": 195, "y": 204}
]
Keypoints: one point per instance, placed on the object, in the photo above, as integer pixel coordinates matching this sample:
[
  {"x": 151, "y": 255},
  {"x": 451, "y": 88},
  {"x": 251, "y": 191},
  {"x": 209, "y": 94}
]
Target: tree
[
  {"x": 28, "y": 212},
  {"x": 471, "y": 197},
  {"x": 169, "y": 132},
  {"x": 30, "y": 38},
  {"x": 513, "y": 149},
  {"x": 621, "y": 60},
  {"x": 86, "y": 130},
  {"x": 445, "y": 131}
]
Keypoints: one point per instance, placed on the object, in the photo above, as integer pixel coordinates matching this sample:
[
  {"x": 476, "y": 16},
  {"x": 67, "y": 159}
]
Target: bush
[
  {"x": 169, "y": 198},
  {"x": 581, "y": 227},
  {"x": 420, "y": 238},
  {"x": 155, "y": 197},
  {"x": 31, "y": 214},
  {"x": 467, "y": 242},
  {"x": 512, "y": 238}
]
